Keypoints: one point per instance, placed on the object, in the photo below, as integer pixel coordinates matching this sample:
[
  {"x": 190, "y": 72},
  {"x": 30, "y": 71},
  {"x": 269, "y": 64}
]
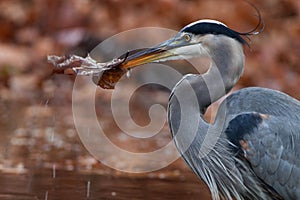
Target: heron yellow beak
[
  {"x": 133, "y": 59},
  {"x": 149, "y": 55}
]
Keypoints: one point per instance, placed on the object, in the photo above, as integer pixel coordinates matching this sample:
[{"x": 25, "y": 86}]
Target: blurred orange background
[{"x": 36, "y": 123}]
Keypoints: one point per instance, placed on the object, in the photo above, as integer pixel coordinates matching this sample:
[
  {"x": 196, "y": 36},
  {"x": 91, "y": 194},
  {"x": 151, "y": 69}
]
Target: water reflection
[
  {"x": 39, "y": 184},
  {"x": 43, "y": 158}
]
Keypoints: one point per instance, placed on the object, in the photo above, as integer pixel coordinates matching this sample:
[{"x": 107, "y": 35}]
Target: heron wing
[
  {"x": 271, "y": 145},
  {"x": 262, "y": 100}
]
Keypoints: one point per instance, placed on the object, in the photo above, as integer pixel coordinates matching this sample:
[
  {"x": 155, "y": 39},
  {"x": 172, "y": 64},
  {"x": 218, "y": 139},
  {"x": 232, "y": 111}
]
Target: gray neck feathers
[
  {"x": 227, "y": 65},
  {"x": 194, "y": 93},
  {"x": 195, "y": 138}
]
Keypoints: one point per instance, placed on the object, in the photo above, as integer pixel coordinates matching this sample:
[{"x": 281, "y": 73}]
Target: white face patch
[
  {"x": 205, "y": 21},
  {"x": 185, "y": 52},
  {"x": 189, "y": 51}
]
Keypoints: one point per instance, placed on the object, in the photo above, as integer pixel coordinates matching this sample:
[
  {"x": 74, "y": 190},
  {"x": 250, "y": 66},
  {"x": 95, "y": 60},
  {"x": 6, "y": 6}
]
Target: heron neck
[
  {"x": 227, "y": 65},
  {"x": 198, "y": 92}
]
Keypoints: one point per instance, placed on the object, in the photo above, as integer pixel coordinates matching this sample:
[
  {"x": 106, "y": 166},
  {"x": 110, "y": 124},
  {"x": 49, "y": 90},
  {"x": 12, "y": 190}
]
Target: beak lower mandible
[
  {"x": 149, "y": 55},
  {"x": 132, "y": 59}
]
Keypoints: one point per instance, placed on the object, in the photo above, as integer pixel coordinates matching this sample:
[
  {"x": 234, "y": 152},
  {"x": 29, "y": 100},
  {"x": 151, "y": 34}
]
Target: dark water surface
[
  {"x": 40, "y": 184},
  {"x": 42, "y": 157}
]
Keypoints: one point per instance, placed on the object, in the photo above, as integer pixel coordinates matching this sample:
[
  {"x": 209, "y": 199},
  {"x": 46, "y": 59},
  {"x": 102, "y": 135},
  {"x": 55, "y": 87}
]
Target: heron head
[
  {"x": 200, "y": 38},
  {"x": 191, "y": 41}
]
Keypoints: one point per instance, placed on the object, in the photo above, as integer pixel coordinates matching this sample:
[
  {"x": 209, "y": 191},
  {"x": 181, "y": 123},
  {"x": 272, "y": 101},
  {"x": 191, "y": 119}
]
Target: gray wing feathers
[
  {"x": 262, "y": 100},
  {"x": 273, "y": 151}
]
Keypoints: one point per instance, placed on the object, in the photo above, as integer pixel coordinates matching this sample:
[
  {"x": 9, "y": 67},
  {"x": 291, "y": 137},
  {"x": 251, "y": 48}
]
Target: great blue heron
[{"x": 257, "y": 155}]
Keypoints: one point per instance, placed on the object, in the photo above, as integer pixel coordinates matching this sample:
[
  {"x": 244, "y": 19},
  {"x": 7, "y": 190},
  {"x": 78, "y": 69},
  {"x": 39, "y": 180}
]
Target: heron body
[
  {"x": 251, "y": 151},
  {"x": 257, "y": 147}
]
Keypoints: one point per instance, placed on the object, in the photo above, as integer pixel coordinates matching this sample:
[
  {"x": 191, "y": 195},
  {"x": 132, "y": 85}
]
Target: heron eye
[{"x": 187, "y": 37}]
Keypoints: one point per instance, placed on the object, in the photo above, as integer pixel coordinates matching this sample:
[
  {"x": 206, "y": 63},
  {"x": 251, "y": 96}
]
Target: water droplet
[
  {"x": 88, "y": 187},
  {"x": 53, "y": 171},
  {"x": 47, "y": 102},
  {"x": 52, "y": 137},
  {"x": 46, "y": 195},
  {"x": 113, "y": 194},
  {"x": 128, "y": 73}
]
